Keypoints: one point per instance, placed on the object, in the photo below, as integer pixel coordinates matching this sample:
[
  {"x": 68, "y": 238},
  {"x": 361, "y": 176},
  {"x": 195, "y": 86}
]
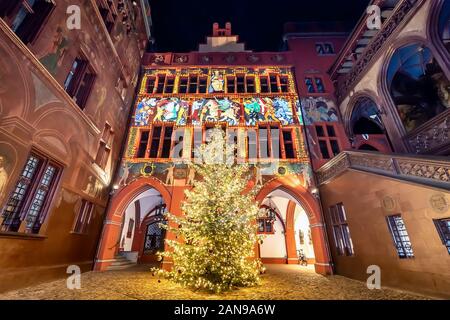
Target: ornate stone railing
[
  {"x": 430, "y": 171},
  {"x": 347, "y": 81}
]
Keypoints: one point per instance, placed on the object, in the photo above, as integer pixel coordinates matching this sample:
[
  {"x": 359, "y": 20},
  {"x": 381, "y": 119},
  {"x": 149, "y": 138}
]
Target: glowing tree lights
[{"x": 216, "y": 236}]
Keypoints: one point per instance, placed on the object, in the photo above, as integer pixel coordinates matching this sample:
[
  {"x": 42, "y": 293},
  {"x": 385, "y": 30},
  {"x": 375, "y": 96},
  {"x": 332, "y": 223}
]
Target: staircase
[
  {"x": 421, "y": 170},
  {"x": 120, "y": 263}
]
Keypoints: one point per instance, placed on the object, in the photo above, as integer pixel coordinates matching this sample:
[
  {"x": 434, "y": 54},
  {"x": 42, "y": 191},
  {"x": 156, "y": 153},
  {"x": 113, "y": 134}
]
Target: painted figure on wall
[
  {"x": 125, "y": 173},
  {"x": 318, "y": 110},
  {"x": 3, "y": 177},
  {"x": 267, "y": 109},
  {"x": 253, "y": 111},
  {"x": 283, "y": 111},
  {"x": 165, "y": 110},
  {"x": 217, "y": 82},
  {"x": 53, "y": 56},
  {"x": 214, "y": 110},
  {"x": 191, "y": 177},
  {"x": 170, "y": 172}
]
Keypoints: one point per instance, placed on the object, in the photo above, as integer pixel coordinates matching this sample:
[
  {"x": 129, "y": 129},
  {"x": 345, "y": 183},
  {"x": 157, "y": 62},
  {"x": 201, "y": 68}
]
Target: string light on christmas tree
[{"x": 218, "y": 233}]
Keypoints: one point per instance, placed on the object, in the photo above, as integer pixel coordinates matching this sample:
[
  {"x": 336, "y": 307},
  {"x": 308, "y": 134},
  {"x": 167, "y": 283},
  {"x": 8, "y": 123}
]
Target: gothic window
[
  {"x": 328, "y": 48},
  {"x": 26, "y": 17},
  {"x": 265, "y": 226},
  {"x": 79, "y": 81},
  {"x": 240, "y": 83},
  {"x": 284, "y": 84},
  {"x": 231, "y": 85},
  {"x": 203, "y": 85},
  {"x": 150, "y": 85},
  {"x": 341, "y": 232},
  {"x": 154, "y": 237},
  {"x": 250, "y": 83},
  {"x": 104, "y": 149},
  {"x": 328, "y": 142},
  {"x": 310, "y": 85},
  {"x": 443, "y": 228},
  {"x": 444, "y": 24},
  {"x": 193, "y": 83},
  {"x": 273, "y": 83},
  {"x": 155, "y": 141},
  {"x": 288, "y": 144},
  {"x": 324, "y": 49},
  {"x": 400, "y": 236},
  {"x": 268, "y": 142},
  {"x": 418, "y": 86},
  {"x": 84, "y": 216},
  {"x": 161, "y": 79},
  {"x": 264, "y": 84},
  {"x": 183, "y": 85},
  {"x": 167, "y": 142},
  {"x": 29, "y": 202},
  {"x": 319, "y": 85},
  {"x": 366, "y": 118},
  {"x": 143, "y": 144},
  {"x": 108, "y": 15},
  {"x": 169, "y": 85}
]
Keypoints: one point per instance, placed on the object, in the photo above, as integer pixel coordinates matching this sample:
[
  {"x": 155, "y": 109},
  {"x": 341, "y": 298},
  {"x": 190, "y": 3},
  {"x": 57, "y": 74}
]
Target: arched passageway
[
  {"x": 287, "y": 234},
  {"x": 301, "y": 218},
  {"x": 132, "y": 223}
]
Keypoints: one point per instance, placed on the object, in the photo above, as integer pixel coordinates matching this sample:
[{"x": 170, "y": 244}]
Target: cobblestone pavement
[{"x": 281, "y": 282}]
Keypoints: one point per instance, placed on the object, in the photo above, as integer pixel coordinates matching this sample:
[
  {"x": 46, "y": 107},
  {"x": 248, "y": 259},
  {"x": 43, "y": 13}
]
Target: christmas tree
[{"x": 217, "y": 233}]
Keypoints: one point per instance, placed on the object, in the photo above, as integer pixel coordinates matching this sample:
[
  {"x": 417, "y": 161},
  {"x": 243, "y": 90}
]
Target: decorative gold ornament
[{"x": 147, "y": 169}]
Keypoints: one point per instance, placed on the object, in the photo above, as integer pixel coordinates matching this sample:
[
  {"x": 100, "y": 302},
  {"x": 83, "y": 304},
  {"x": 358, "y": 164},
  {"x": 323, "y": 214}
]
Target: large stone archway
[
  {"x": 312, "y": 208},
  {"x": 110, "y": 238}
]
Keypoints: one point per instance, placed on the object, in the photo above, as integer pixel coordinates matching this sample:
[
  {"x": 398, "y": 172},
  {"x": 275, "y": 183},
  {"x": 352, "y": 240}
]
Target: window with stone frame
[
  {"x": 443, "y": 229},
  {"x": 400, "y": 236},
  {"x": 108, "y": 12},
  {"x": 418, "y": 86},
  {"x": 80, "y": 80},
  {"x": 104, "y": 149},
  {"x": 84, "y": 217},
  {"x": 265, "y": 226},
  {"x": 327, "y": 140},
  {"x": 341, "y": 231},
  {"x": 26, "y": 17},
  {"x": 29, "y": 202}
]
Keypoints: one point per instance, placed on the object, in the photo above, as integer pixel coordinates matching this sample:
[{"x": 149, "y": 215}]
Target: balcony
[{"x": 430, "y": 171}]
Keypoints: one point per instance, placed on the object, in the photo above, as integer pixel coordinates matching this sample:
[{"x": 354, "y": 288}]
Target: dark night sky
[{"x": 180, "y": 25}]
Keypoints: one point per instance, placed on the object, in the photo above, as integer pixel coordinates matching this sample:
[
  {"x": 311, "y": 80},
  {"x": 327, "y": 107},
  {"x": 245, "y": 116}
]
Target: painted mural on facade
[
  {"x": 151, "y": 110},
  {"x": 215, "y": 110},
  {"x": 317, "y": 110},
  {"x": 267, "y": 109},
  {"x": 54, "y": 54},
  {"x": 217, "y": 81},
  {"x": 167, "y": 172}
]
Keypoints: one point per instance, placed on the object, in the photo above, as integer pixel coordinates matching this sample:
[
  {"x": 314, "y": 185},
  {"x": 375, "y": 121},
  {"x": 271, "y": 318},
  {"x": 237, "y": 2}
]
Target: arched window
[
  {"x": 367, "y": 147},
  {"x": 418, "y": 86},
  {"x": 444, "y": 24},
  {"x": 366, "y": 118}
]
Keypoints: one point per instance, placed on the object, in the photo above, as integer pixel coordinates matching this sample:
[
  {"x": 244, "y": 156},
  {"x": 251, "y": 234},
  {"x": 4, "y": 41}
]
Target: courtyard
[{"x": 281, "y": 282}]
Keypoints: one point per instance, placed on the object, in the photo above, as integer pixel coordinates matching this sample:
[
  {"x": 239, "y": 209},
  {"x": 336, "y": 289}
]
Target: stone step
[
  {"x": 120, "y": 262},
  {"x": 113, "y": 268}
]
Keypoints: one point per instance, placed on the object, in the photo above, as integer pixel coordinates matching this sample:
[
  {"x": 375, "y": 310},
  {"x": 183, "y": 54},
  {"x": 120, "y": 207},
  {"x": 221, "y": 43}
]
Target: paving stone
[{"x": 281, "y": 282}]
